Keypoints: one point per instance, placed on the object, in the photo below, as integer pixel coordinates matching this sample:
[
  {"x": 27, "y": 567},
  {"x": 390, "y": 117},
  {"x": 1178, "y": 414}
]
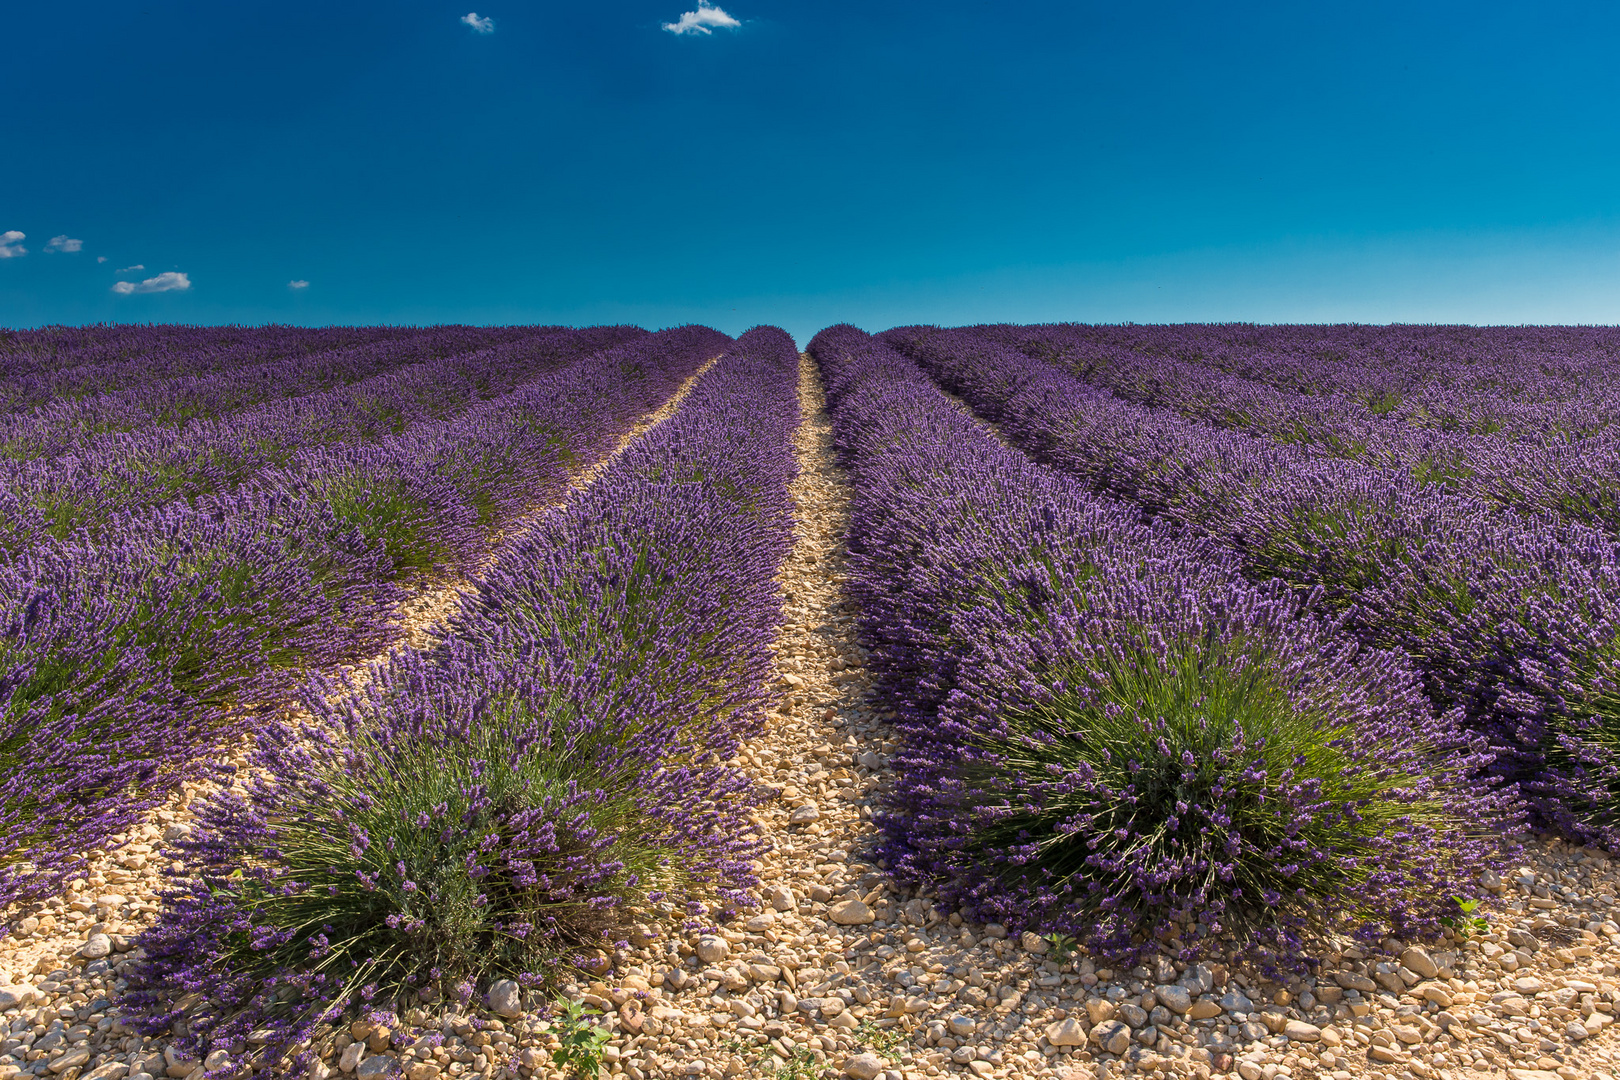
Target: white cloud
[
  {"x": 168, "y": 281},
  {"x": 131, "y": 269},
  {"x": 298, "y": 283},
  {"x": 702, "y": 20},
  {"x": 101, "y": 258},
  {"x": 481, "y": 24},
  {"x": 11, "y": 244},
  {"x": 64, "y": 243}
]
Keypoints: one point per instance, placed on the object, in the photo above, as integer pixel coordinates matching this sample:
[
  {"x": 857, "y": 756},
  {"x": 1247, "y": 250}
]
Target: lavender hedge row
[
  {"x": 486, "y": 809},
  {"x": 130, "y": 356},
  {"x": 1454, "y": 377},
  {"x": 1526, "y": 464},
  {"x": 128, "y": 658},
  {"x": 295, "y": 382},
  {"x": 1111, "y": 735},
  {"x": 116, "y": 474},
  {"x": 1514, "y": 618}
]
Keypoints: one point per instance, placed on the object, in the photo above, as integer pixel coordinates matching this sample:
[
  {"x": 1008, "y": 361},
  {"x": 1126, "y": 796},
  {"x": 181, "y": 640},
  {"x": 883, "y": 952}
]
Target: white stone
[
  {"x": 712, "y": 949},
  {"x": 351, "y": 1056},
  {"x": 863, "y": 1066},
  {"x": 506, "y": 998},
  {"x": 1175, "y": 998},
  {"x": 851, "y": 913},
  {"x": 782, "y": 899},
  {"x": 376, "y": 1066},
  {"x": 1420, "y": 962},
  {"x": 1063, "y": 1033}
]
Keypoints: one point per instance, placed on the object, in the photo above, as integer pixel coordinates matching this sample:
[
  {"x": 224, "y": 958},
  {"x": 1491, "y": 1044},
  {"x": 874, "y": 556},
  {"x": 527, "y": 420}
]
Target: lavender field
[{"x": 1017, "y": 701}]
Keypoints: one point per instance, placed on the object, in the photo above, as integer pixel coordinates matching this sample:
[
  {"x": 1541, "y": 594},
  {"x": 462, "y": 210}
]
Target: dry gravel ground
[{"x": 842, "y": 973}]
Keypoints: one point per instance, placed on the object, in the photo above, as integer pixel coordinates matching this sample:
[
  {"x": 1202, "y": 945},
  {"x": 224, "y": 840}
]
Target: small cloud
[
  {"x": 481, "y": 24},
  {"x": 131, "y": 269},
  {"x": 297, "y": 283},
  {"x": 702, "y": 20},
  {"x": 168, "y": 281},
  {"x": 11, "y": 244},
  {"x": 101, "y": 258},
  {"x": 64, "y": 243}
]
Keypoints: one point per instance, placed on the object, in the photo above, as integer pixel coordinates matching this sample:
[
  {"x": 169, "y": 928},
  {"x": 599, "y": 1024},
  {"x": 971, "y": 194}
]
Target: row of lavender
[
  {"x": 481, "y": 810},
  {"x": 112, "y": 475},
  {"x": 72, "y": 423},
  {"x": 1561, "y": 458},
  {"x": 1457, "y": 377},
  {"x": 43, "y": 366},
  {"x": 1108, "y": 732},
  {"x": 1513, "y": 619},
  {"x": 130, "y": 654}
]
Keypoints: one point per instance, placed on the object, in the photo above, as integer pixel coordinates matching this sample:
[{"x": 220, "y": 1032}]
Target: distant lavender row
[
  {"x": 1515, "y": 619},
  {"x": 126, "y": 659},
  {"x": 73, "y": 423},
  {"x": 1108, "y": 733},
  {"x": 139, "y": 355},
  {"x": 481, "y": 811},
  {"x": 1517, "y": 392},
  {"x": 1383, "y": 366},
  {"x": 1526, "y": 465},
  {"x": 113, "y": 475},
  {"x": 55, "y": 347}
]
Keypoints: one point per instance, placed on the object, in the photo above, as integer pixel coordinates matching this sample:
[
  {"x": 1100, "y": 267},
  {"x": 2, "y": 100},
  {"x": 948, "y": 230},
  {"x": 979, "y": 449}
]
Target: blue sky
[{"x": 818, "y": 162}]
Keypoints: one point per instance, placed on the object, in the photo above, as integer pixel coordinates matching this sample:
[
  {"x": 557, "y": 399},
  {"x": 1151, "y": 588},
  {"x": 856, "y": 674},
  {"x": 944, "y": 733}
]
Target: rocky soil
[{"x": 841, "y": 973}]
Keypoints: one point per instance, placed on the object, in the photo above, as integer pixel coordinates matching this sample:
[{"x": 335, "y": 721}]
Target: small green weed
[
  {"x": 801, "y": 1066},
  {"x": 581, "y": 1040},
  {"x": 1465, "y": 923},
  {"x": 1063, "y": 947},
  {"x": 884, "y": 1041}
]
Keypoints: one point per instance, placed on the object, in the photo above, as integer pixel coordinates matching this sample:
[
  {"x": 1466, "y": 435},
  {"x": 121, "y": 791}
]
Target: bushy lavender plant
[
  {"x": 1109, "y": 734},
  {"x": 489, "y": 808},
  {"x": 1515, "y": 618}
]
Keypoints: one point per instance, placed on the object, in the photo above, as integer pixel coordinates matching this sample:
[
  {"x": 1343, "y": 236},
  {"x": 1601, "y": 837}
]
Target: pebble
[
  {"x": 712, "y": 949},
  {"x": 506, "y": 998},
  {"x": 863, "y": 1066},
  {"x": 851, "y": 913},
  {"x": 1063, "y": 1033}
]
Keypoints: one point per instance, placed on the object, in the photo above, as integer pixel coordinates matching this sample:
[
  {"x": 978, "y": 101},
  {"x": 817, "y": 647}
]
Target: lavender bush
[
  {"x": 1108, "y": 733},
  {"x": 488, "y": 808},
  {"x": 1514, "y": 618}
]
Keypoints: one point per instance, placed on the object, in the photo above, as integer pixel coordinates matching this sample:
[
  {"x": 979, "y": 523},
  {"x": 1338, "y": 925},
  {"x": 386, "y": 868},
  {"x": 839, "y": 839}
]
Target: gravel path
[{"x": 841, "y": 973}]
